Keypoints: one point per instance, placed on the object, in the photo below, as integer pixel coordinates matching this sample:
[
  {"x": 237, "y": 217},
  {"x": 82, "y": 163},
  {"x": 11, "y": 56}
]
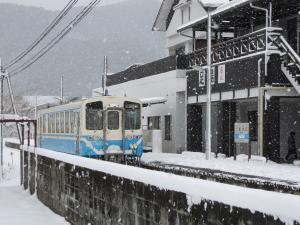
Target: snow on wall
[{"x": 283, "y": 206}]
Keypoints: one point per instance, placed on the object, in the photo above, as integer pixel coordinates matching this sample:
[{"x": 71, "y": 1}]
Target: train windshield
[
  {"x": 132, "y": 116},
  {"x": 94, "y": 116}
]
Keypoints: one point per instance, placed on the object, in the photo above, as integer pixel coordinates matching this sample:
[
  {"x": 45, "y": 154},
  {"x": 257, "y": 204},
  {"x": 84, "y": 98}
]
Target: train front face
[{"x": 112, "y": 127}]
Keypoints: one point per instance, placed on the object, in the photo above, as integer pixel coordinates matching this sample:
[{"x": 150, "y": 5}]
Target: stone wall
[{"x": 84, "y": 196}]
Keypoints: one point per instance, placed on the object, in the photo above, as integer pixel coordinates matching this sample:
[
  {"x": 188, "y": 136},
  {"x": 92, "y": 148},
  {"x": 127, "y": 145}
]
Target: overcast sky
[{"x": 53, "y": 4}]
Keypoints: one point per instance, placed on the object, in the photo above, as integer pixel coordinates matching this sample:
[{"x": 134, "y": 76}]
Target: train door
[{"x": 114, "y": 131}]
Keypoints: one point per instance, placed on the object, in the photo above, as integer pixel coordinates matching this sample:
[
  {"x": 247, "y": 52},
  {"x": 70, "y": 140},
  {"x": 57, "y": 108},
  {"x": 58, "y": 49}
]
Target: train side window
[
  {"x": 40, "y": 125},
  {"x": 72, "y": 122},
  {"x": 132, "y": 116},
  {"x": 67, "y": 122},
  {"x": 113, "y": 120},
  {"x": 49, "y": 123},
  {"x": 62, "y": 122},
  {"x": 57, "y": 123},
  {"x": 53, "y": 123},
  {"x": 94, "y": 116},
  {"x": 44, "y": 123}
]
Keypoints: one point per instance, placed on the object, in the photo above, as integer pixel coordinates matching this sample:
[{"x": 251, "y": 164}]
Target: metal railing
[{"x": 235, "y": 48}]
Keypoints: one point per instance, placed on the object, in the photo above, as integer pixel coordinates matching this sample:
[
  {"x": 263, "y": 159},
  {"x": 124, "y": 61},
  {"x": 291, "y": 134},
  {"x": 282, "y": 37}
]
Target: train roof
[{"x": 77, "y": 104}]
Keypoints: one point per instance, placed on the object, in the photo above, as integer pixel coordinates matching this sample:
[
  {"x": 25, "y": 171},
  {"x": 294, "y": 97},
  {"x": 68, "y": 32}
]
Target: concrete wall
[
  {"x": 84, "y": 196},
  {"x": 171, "y": 85}
]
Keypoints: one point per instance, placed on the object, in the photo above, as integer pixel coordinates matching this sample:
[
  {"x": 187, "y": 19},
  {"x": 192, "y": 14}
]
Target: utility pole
[
  {"x": 208, "y": 89},
  {"x": 62, "y": 90},
  {"x": 104, "y": 88}
]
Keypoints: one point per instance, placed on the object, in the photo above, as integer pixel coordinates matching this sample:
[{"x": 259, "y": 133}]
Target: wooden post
[{"x": 22, "y": 153}]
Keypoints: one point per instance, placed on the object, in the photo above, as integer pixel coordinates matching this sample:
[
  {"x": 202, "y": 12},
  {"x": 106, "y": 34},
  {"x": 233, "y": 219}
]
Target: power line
[
  {"x": 49, "y": 28},
  {"x": 57, "y": 39}
]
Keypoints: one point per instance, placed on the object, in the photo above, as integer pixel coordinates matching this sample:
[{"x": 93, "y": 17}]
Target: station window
[
  {"x": 132, "y": 116},
  {"x": 154, "y": 123},
  {"x": 94, "y": 116},
  {"x": 67, "y": 122},
  {"x": 113, "y": 120},
  {"x": 168, "y": 127}
]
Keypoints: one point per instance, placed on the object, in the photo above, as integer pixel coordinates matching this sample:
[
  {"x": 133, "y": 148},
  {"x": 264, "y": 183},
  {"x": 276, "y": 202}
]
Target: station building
[{"x": 255, "y": 74}]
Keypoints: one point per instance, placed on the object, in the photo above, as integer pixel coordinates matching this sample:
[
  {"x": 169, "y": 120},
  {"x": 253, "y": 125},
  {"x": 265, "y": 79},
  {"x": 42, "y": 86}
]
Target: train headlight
[
  {"x": 135, "y": 146},
  {"x": 131, "y": 146}
]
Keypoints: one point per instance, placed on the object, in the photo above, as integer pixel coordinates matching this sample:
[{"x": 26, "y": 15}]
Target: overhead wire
[
  {"x": 42, "y": 36},
  {"x": 57, "y": 38}
]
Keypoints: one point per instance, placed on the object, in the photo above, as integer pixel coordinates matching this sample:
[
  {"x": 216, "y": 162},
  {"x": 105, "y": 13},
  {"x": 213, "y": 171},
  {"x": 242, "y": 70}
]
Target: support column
[
  {"x": 229, "y": 118},
  {"x": 272, "y": 130}
]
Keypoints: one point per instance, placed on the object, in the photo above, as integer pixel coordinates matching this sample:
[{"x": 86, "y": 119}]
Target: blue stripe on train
[{"x": 68, "y": 145}]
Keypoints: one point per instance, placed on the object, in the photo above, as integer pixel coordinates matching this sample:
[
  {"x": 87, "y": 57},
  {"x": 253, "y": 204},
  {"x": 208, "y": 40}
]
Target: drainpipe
[{"x": 260, "y": 91}]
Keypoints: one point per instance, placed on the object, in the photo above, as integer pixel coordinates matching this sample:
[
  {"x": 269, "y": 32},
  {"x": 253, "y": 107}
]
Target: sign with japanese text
[
  {"x": 221, "y": 74},
  {"x": 201, "y": 78}
]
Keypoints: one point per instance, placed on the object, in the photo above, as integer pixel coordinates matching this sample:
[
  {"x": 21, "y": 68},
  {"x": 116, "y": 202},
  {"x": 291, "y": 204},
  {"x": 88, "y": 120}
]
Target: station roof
[{"x": 239, "y": 13}]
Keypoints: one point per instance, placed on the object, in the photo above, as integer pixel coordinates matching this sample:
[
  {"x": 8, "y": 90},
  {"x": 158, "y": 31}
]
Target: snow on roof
[
  {"x": 222, "y": 8},
  {"x": 213, "y": 3},
  {"x": 160, "y": 23},
  {"x": 153, "y": 100},
  {"x": 12, "y": 117},
  {"x": 281, "y": 205}
]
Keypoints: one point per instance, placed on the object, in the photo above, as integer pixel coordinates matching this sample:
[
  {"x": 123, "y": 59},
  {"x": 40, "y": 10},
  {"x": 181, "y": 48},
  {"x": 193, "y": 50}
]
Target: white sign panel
[
  {"x": 201, "y": 78},
  {"x": 241, "y": 132},
  {"x": 213, "y": 75},
  {"x": 221, "y": 74}
]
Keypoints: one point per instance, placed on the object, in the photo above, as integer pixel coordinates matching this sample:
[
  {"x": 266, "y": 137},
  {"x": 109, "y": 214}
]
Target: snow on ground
[
  {"x": 284, "y": 206},
  {"x": 257, "y": 166},
  {"x": 11, "y": 169},
  {"x": 18, "y": 207}
]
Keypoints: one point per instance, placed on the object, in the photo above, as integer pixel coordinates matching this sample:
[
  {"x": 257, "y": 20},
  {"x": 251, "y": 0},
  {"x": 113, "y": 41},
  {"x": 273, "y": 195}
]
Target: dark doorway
[
  {"x": 252, "y": 118},
  {"x": 229, "y": 118},
  {"x": 292, "y": 33},
  {"x": 194, "y": 128}
]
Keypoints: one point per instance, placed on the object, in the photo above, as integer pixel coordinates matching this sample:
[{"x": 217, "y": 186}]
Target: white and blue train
[{"x": 99, "y": 127}]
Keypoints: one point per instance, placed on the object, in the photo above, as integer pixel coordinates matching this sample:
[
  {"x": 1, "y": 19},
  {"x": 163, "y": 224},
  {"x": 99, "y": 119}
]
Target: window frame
[
  {"x": 87, "y": 126},
  {"x": 150, "y": 119},
  {"x": 168, "y": 128},
  {"x": 138, "y": 109},
  {"x": 108, "y": 123}
]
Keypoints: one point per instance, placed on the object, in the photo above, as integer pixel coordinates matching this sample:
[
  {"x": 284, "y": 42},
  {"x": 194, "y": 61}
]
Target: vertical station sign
[
  {"x": 221, "y": 74},
  {"x": 201, "y": 78}
]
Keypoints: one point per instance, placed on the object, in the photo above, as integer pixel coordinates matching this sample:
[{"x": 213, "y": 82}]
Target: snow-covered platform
[
  {"x": 17, "y": 207},
  {"x": 256, "y": 173}
]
